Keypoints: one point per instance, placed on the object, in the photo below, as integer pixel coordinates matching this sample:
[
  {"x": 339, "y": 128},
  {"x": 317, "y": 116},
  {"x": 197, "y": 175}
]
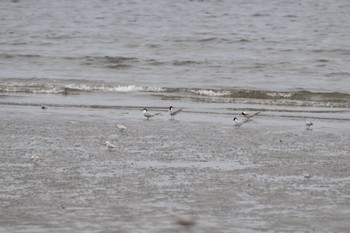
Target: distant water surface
[{"x": 290, "y": 53}]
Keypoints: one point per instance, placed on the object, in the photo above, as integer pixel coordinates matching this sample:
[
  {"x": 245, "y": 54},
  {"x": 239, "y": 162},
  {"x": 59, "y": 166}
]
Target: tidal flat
[{"x": 270, "y": 175}]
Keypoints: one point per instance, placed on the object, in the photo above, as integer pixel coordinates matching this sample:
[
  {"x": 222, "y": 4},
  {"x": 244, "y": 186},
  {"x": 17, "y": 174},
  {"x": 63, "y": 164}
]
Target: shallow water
[{"x": 283, "y": 51}]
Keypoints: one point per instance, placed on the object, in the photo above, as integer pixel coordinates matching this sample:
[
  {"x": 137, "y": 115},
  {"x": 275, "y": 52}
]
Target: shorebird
[
  {"x": 173, "y": 112},
  {"x": 239, "y": 123},
  {"x": 249, "y": 115},
  {"x": 121, "y": 127},
  {"x": 110, "y": 145},
  {"x": 148, "y": 114},
  {"x": 306, "y": 175},
  {"x": 308, "y": 124},
  {"x": 35, "y": 158}
]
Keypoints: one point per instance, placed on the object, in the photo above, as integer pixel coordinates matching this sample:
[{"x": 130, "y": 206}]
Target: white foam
[
  {"x": 53, "y": 90},
  {"x": 120, "y": 88},
  {"x": 154, "y": 89},
  {"x": 210, "y": 92},
  {"x": 280, "y": 94},
  {"x": 129, "y": 88},
  {"x": 103, "y": 88}
]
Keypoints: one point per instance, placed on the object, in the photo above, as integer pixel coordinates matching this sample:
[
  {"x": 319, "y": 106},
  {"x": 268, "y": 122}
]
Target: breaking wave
[
  {"x": 210, "y": 92},
  {"x": 66, "y": 87},
  {"x": 42, "y": 86}
]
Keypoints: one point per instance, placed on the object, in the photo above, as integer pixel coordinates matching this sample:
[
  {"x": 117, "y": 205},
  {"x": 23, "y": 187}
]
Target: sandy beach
[
  {"x": 262, "y": 177},
  {"x": 95, "y": 64}
]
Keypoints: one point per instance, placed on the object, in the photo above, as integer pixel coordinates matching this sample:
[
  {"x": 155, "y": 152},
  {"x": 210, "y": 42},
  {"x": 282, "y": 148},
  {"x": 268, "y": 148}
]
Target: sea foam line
[
  {"x": 210, "y": 92},
  {"x": 56, "y": 88},
  {"x": 119, "y": 88},
  {"x": 104, "y": 88}
]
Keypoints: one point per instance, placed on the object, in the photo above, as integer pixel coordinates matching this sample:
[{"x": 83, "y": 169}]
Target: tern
[
  {"x": 110, "y": 145},
  {"x": 121, "y": 127},
  {"x": 35, "y": 158},
  {"x": 173, "y": 112},
  {"x": 249, "y": 115},
  {"x": 239, "y": 123},
  {"x": 148, "y": 114},
  {"x": 306, "y": 175},
  {"x": 308, "y": 124}
]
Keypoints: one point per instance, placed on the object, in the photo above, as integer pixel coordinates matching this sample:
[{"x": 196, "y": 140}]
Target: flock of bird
[
  {"x": 173, "y": 112},
  {"x": 247, "y": 116}
]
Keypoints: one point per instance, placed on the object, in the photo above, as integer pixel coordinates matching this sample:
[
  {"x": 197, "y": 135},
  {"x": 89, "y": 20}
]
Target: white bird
[
  {"x": 239, "y": 123},
  {"x": 35, "y": 158},
  {"x": 148, "y": 114},
  {"x": 121, "y": 127},
  {"x": 173, "y": 112},
  {"x": 306, "y": 175},
  {"x": 110, "y": 145},
  {"x": 308, "y": 124}
]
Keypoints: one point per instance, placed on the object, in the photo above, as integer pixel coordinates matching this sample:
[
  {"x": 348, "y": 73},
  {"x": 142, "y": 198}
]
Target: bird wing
[
  {"x": 147, "y": 114},
  {"x": 254, "y": 114},
  {"x": 176, "y": 112},
  {"x": 239, "y": 124},
  {"x": 250, "y": 115}
]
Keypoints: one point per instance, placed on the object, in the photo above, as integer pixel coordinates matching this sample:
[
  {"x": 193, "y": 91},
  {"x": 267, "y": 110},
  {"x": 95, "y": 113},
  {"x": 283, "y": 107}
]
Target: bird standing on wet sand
[
  {"x": 35, "y": 158},
  {"x": 173, "y": 112},
  {"x": 148, "y": 114},
  {"x": 110, "y": 145},
  {"x": 249, "y": 115},
  {"x": 121, "y": 127},
  {"x": 306, "y": 175},
  {"x": 308, "y": 124},
  {"x": 239, "y": 123}
]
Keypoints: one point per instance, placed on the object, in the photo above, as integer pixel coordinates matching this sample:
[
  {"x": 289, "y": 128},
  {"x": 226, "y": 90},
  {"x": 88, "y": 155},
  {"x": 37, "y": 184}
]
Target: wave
[
  {"x": 66, "y": 87},
  {"x": 44, "y": 86},
  {"x": 336, "y": 74},
  {"x": 117, "y": 62},
  {"x": 108, "y": 62},
  {"x": 14, "y": 56},
  {"x": 82, "y": 87},
  {"x": 214, "y": 93},
  {"x": 111, "y": 62},
  {"x": 338, "y": 51},
  {"x": 110, "y": 88},
  {"x": 290, "y": 98},
  {"x": 185, "y": 63}
]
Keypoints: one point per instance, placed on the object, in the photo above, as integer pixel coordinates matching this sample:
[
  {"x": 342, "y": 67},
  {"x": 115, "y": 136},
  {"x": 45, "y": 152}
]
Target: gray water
[{"x": 279, "y": 49}]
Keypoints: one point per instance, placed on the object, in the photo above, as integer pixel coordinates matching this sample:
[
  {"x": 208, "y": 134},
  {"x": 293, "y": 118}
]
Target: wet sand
[{"x": 249, "y": 179}]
